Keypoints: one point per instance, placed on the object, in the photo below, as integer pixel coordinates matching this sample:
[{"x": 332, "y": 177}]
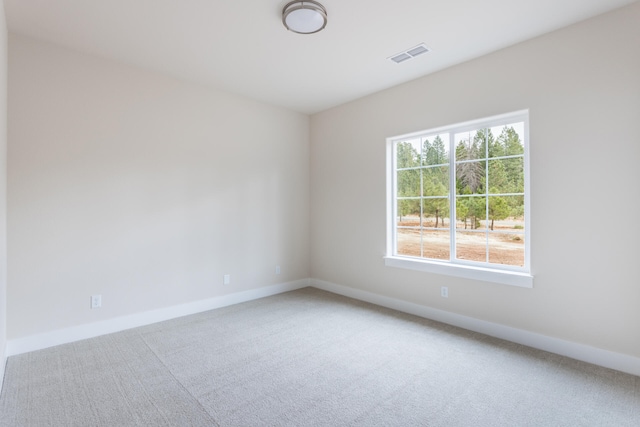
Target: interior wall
[
  {"x": 143, "y": 189},
  {"x": 3, "y": 189},
  {"x": 582, "y": 88}
]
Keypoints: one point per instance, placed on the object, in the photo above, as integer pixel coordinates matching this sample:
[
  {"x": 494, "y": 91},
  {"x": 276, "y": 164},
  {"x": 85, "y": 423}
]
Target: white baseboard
[
  {"x": 3, "y": 364},
  {"x": 597, "y": 356},
  {"x": 91, "y": 330},
  {"x": 585, "y": 353}
]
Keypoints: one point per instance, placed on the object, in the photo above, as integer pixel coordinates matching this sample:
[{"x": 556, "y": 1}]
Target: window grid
[{"x": 453, "y": 195}]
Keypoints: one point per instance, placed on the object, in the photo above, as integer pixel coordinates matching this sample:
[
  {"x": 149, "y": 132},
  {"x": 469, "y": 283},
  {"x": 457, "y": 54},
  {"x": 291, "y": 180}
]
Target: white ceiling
[{"x": 241, "y": 45}]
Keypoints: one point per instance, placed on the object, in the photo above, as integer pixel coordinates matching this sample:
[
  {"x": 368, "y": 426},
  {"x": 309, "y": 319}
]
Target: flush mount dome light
[{"x": 304, "y": 17}]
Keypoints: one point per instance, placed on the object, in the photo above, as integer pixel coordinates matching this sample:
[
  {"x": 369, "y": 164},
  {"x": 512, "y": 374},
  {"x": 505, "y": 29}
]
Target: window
[{"x": 458, "y": 200}]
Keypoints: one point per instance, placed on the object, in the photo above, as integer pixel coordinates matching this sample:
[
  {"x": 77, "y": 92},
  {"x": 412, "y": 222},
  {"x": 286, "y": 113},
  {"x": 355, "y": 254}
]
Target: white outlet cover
[{"x": 96, "y": 301}]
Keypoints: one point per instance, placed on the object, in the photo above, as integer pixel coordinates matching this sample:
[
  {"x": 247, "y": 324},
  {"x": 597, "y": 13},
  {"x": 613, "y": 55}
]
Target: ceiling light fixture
[{"x": 304, "y": 17}]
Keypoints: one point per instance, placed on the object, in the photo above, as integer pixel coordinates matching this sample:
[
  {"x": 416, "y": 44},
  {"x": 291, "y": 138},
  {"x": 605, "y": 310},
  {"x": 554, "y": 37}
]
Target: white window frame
[{"x": 496, "y": 273}]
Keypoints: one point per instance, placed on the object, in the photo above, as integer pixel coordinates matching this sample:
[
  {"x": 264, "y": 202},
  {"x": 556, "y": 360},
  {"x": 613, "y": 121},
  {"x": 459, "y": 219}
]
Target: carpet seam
[{"x": 168, "y": 369}]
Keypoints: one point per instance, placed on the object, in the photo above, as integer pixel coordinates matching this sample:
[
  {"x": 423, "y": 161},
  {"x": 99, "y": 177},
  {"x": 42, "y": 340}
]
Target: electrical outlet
[
  {"x": 277, "y": 269},
  {"x": 226, "y": 279},
  {"x": 444, "y": 292},
  {"x": 96, "y": 301}
]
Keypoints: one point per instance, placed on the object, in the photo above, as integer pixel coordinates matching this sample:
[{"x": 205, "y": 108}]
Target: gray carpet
[{"x": 309, "y": 358}]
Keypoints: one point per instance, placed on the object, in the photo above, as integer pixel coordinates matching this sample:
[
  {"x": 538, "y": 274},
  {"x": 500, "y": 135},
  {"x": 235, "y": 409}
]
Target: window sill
[{"x": 513, "y": 278}]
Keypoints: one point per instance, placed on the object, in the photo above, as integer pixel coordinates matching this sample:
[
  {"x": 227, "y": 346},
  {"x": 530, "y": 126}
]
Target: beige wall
[
  {"x": 582, "y": 86},
  {"x": 3, "y": 188},
  {"x": 143, "y": 189}
]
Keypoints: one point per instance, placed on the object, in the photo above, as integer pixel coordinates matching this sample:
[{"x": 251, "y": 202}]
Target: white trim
[
  {"x": 527, "y": 196},
  {"x": 505, "y": 277},
  {"x": 585, "y": 353},
  {"x": 470, "y": 125},
  {"x": 3, "y": 364},
  {"x": 91, "y": 330},
  {"x": 391, "y": 204}
]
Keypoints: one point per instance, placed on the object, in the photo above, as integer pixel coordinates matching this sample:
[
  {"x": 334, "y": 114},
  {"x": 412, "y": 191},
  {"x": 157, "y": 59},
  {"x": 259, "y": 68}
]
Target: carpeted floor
[{"x": 309, "y": 358}]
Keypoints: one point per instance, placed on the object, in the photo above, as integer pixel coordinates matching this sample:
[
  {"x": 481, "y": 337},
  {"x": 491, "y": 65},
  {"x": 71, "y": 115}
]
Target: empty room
[{"x": 319, "y": 213}]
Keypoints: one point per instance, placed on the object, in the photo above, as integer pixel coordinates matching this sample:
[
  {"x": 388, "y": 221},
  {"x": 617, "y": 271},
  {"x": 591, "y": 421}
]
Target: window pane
[
  {"x": 408, "y": 213},
  {"x": 435, "y": 150},
  {"x": 436, "y": 244},
  {"x": 506, "y": 175},
  {"x": 408, "y": 241},
  {"x": 471, "y": 246},
  {"x": 435, "y": 181},
  {"x": 517, "y": 211},
  {"x": 468, "y": 146},
  {"x": 509, "y": 140},
  {"x": 498, "y": 210},
  {"x": 409, "y": 183},
  {"x": 506, "y": 213},
  {"x": 506, "y": 249},
  {"x": 471, "y": 213},
  {"x": 434, "y": 212},
  {"x": 408, "y": 154},
  {"x": 471, "y": 177}
]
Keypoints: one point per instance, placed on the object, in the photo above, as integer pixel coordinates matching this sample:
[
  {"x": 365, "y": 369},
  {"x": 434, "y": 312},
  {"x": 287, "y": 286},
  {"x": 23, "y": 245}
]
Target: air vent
[
  {"x": 409, "y": 53},
  {"x": 401, "y": 57}
]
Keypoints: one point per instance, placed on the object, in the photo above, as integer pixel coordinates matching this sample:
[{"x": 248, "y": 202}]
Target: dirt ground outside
[{"x": 504, "y": 248}]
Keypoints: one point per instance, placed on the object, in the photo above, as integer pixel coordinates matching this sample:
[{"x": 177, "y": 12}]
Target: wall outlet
[
  {"x": 444, "y": 292},
  {"x": 226, "y": 279},
  {"x": 277, "y": 269},
  {"x": 96, "y": 301}
]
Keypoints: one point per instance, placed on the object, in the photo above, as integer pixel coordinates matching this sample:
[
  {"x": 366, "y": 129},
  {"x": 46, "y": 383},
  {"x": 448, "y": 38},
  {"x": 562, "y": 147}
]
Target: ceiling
[{"x": 241, "y": 45}]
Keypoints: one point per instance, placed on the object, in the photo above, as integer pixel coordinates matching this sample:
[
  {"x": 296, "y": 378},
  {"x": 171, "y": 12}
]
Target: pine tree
[{"x": 498, "y": 209}]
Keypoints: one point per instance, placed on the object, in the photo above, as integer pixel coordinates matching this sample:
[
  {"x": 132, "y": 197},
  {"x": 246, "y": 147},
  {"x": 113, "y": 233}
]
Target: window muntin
[{"x": 458, "y": 194}]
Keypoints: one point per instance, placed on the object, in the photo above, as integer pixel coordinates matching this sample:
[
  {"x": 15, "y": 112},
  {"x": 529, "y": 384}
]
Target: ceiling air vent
[
  {"x": 400, "y": 58},
  {"x": 409, "y": 53}
]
